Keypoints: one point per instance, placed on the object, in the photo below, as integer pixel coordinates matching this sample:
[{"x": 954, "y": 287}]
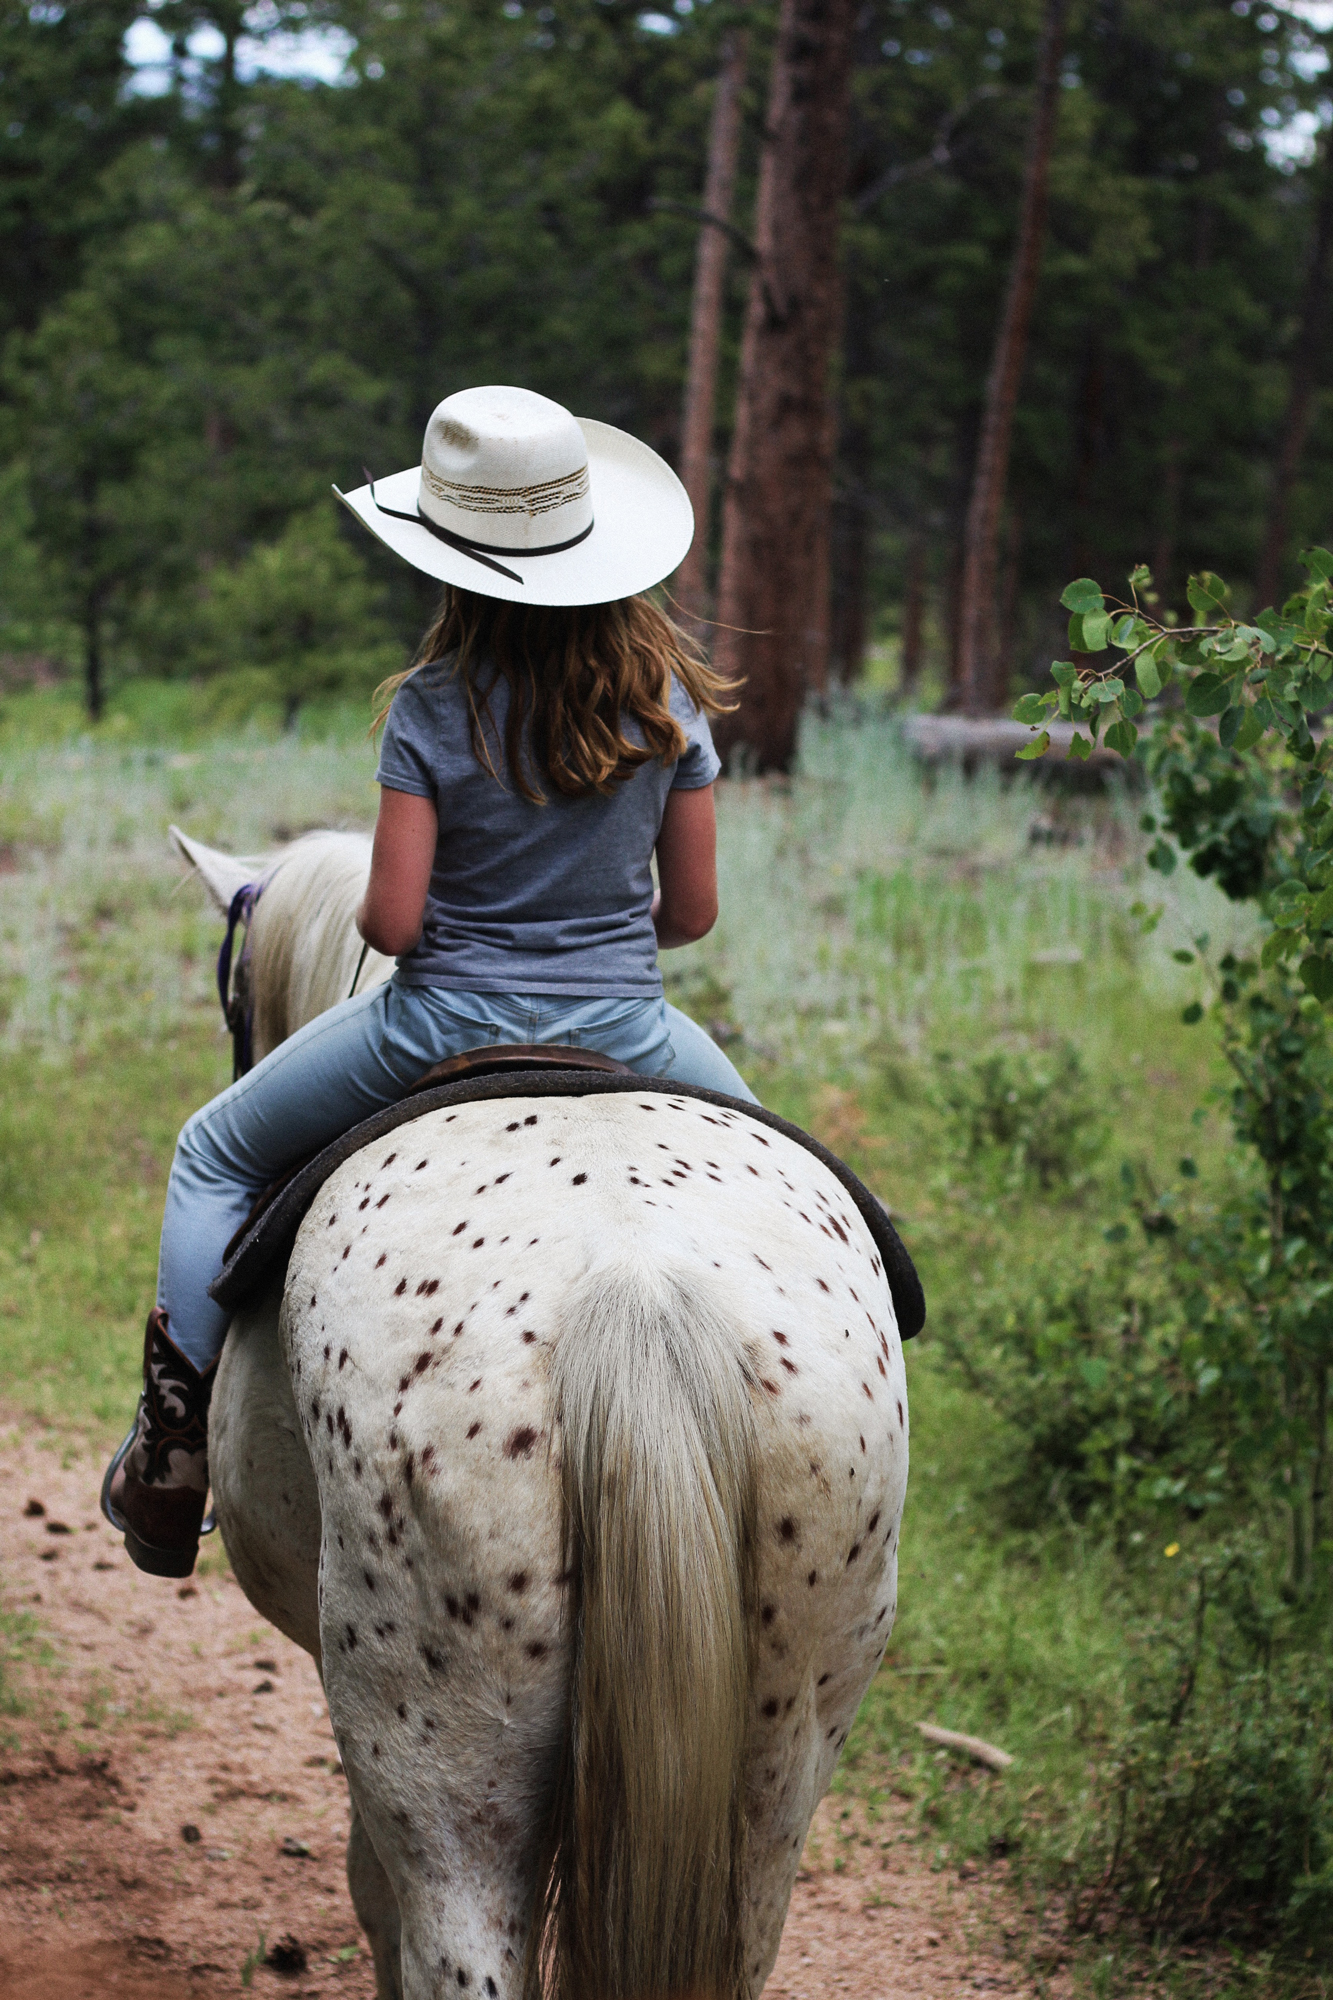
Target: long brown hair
[{"x": 575, "y": 674}]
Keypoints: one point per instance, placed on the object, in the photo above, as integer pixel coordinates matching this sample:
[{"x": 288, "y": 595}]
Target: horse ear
[{"x": 222, "y": 874}]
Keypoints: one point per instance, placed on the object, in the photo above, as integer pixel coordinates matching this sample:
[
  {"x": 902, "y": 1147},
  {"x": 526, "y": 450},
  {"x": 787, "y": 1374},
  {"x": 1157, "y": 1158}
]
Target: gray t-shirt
[{"x": 525, "y": 898}]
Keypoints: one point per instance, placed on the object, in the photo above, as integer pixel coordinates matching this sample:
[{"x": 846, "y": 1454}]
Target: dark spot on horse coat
[
  {"x": 769, "y": 1613},
  {"x": 473, "y": 1429},
  {"x": 813, "y": 1578},
  {"x": 853, "y": 1552},
  {"x": 822, "y": 1678},
  {"x": 787, "y": 1528},
  {"x": 770, "y": 1708},
  {"x": 578, "y": 1180},
  {"x": 519, "y": 1580},
  {"x": 400, "y": 1288},
  {"x": 519, "y": 1443},
  {"x": 536, "y": 1651},
  {"x": 873, "y": 1522},
  {"x": 459, "y": 1231},
  {"x": 383, "y": 1258},
  {"x": 438, "y": 1324}
]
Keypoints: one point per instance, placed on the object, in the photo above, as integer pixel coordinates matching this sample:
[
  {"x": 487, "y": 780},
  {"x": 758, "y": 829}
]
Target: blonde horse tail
[{"x": 641, "y": 1890}]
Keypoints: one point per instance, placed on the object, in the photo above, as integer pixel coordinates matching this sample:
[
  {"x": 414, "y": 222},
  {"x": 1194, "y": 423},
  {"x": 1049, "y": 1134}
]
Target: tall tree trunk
[
  {"x": 914, "y": 615},
  {"x": 849, "y": 545},
  {"x": 1302, "y": 386},
  {"x": 1172, "y": 481},
  {"x": 978, "y": 653},
  {"x": 772, "y": 596},
  {"x": 93, "y": 694},
  {"x": 710, "y": 276}
]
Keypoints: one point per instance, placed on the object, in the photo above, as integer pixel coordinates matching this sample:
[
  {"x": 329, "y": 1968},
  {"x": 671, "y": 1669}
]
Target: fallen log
[
  {"x": 974, "y": 1747},
  {"x": 992, "y": 739}
]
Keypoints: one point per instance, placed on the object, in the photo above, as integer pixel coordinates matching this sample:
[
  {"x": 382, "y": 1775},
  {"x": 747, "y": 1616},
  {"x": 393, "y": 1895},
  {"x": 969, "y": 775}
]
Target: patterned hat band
[
  {"x": 547, "y": 497},
  {"x": 479, "y": 552}
]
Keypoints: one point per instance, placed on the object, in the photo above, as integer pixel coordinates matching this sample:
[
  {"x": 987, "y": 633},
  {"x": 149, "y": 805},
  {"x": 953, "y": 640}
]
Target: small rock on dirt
[
  {"x": 298, "y": 1849},
  {"x": 34, "y": 1510},
  {"x": 191, "y": 1835}
]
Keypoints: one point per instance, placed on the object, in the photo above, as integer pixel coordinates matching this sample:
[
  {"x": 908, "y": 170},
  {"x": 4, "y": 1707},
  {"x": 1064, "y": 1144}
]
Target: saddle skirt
[{"x": 512, "y": 1071}]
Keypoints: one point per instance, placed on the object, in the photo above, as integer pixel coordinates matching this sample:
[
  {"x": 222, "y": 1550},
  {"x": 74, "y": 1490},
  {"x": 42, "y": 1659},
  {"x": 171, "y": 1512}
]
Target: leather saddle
[{"x": 503, "y": 1070}]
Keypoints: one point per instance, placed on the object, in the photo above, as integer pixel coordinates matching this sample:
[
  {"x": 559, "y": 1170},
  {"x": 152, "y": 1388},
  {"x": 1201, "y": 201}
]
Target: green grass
[{"x": 871, "y": 922}]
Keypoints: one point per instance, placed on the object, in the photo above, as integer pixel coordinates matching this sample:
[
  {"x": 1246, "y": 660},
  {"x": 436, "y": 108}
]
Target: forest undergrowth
[{"x": 1112, "y": 1564}]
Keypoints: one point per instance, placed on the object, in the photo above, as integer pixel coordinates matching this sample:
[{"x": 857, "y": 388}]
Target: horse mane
[{"x": 304, "y": 947}]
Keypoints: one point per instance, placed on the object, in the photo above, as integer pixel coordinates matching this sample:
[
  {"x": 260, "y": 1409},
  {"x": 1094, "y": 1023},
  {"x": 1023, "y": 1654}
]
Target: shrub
[
  {"x": 1214, "y": 1817},
  {"x": 1104, "y": 1368},
  {"x": 1033, "y": 1114}
]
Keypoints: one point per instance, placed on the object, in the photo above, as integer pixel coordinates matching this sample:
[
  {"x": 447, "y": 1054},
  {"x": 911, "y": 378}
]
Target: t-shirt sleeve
[
  {"x": 698, "y": 763},
  {"x": 408, "y": 749}
]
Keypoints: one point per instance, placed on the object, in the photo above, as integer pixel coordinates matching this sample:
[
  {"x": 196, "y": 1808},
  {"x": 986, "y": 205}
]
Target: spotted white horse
[{"x": 573, "y": 1448}]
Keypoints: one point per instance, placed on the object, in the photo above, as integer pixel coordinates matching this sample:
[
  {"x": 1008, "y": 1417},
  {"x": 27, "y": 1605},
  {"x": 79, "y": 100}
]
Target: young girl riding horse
[{"x": 552, "y": 737}]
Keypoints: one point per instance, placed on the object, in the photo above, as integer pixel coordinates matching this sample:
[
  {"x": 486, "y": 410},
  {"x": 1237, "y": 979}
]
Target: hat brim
[{"x": 643, "y": 524}]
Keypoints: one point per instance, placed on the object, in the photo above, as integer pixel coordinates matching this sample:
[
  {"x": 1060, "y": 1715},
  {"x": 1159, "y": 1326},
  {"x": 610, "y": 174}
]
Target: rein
[{"x": 239, "y": 1017}]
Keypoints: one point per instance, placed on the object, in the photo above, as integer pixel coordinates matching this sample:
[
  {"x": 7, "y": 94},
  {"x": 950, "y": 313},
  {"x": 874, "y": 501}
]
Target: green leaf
[
  {"x": 1089, "y": 631},
  {"x": 1322, "y": 911},
  {"x": 1030, "y": 708},
  {"x": 1079, "y": 748},
  {"x": 1189, "y": 1015},
  {"x": 1276, "y": 946},
  {"x": 1183, "y": 957},
  {"x": 1250, "y": 730},
  {"x": 1147, "y": 676},
  {"x": 1207, "y": 593},
  {"x": 1162, "y": 856},
  {"x": 1131, "y": 702},
  {"x": 1122, "y": 736},
  {"x": 1319, "y": 563},
  {"x": 1082, "y": 595},
  {"x": 1037, "y": 748},
  {"x": 1317, "y": 976},
  {"x": 1208, "y": 694},
  {"x": 1140, "y": 577},
  {"x": 1228, "y": 729}
]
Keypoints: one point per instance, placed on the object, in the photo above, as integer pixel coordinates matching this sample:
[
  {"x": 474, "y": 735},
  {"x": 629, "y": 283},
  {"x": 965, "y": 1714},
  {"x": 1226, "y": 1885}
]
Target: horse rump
[{"x": 641, "y": 1890}]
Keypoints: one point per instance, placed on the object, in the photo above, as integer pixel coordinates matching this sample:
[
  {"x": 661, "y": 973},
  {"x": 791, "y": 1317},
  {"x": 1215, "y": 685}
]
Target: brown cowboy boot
[{"x": 156, "y": 1485}]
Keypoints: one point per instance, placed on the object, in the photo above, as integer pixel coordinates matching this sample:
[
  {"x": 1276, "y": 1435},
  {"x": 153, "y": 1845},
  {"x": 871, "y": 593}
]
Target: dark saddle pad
[{"x": 486, "y": 1074}]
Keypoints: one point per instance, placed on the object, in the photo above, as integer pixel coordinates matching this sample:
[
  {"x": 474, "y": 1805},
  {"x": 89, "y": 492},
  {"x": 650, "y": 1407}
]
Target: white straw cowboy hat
[{"x": 516, "y": 498}]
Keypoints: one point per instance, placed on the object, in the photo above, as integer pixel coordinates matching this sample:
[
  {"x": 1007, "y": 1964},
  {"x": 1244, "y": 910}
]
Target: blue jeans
[{"x": 350, "y": 1062}]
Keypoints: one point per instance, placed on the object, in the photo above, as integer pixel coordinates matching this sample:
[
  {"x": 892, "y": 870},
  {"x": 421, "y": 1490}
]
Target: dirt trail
[{"x": 170, "y": 1792}]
